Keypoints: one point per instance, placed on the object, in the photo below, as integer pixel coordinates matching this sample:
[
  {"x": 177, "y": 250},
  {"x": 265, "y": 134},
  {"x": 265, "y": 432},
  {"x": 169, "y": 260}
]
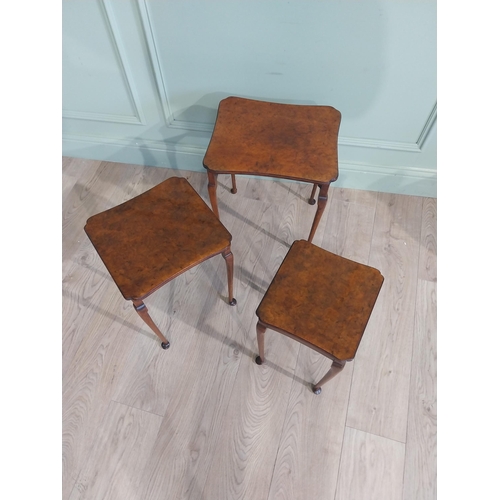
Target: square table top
[
  {"x": 290, "y": 141},
  {"x": 156, "y": 236},
  {"x": 321, "y": 299}
]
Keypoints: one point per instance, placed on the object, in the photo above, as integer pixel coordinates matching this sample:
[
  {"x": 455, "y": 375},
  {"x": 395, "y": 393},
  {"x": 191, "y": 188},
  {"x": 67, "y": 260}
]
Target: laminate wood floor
[{"x": 201, "y": 420}]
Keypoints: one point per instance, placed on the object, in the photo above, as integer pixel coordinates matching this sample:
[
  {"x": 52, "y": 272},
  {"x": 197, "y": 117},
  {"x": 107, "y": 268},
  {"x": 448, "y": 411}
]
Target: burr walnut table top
[
  {"x": 156, "y": 236},
  {"x": 321, "y": 300},
  {"x": 271, "y": 139}
]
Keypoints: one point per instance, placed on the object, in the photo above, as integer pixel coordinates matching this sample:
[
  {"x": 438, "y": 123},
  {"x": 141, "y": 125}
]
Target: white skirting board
[{"x": 415, "y": 181}]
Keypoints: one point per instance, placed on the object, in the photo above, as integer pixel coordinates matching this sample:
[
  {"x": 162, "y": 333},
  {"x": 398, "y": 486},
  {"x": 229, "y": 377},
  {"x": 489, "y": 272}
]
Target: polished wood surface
[
  {"x": 287, "y": 141},
  {"x": 321, "y": 299},
  {"x": 152, "y": 238},
  {"x": 272, "y": 139},
  {"x": 205, "y": 421}
]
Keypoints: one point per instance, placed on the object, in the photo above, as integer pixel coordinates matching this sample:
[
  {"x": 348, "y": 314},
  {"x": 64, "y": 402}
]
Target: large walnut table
[{"x": 288, "y": 141}]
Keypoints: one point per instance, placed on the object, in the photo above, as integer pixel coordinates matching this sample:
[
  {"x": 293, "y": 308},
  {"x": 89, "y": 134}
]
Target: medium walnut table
[
  {"x": 321, "y": 300},
  {"x": 287, "y": 141},
  {"x": 156, "y": 236}
]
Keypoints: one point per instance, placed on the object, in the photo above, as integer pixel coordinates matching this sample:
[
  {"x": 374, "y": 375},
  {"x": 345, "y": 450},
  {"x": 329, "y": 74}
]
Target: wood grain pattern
[
  {"x": 243, "y": 467},
  {"x": 427, "y": 269},
  {"x": 153, "y": 237},
  {"x": 226, "y": 427},
  {"x": 118, "y": 455},
  {"x": 281, "y": 140},
  {"x": 72, "y": 169},
  {"x": 321, "y": 299},
  {"x": 259, "y": 394},
  {"x": 420, "y": 481},
  {"x": 313, "y": 428},
  {"x": 192, "y": 422},
  {"x": 85, "y": 200},
  {"x": 181, "y": 309},
  {"x": 86, "y": 288},
  {"x": 381, "y": 379},
  {"x": 349, "y": 225},
  {"x": 87, "y": 388},
  {"x": 286, "y": 141},
  {"x": 371, "y": 467}
]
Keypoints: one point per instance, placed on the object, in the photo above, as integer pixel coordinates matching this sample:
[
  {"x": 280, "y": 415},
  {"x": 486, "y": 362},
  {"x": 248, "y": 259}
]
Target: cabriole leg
[
  {"x": 312, "y": 201},
  {"x": 233, "y": 180},
  {"x": 142, "y": 311},
  {"x": 261, "y": 330},
  {"x": 322, "y": 199},
  {"x": 212, "y": 192},
  {"x": 335, "y": 369},
  {"x": 228, "y": 257}
]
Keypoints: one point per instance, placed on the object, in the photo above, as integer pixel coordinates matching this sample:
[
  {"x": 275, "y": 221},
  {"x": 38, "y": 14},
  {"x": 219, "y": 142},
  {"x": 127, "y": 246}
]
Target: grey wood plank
[
  {"x": 97, "y": 190},
  {"x": 381, "y": 379},
  {"x": 87, "y": 388},
  {"x": 72, "y": 170},
  {"x": 86, "y": 289},
  {"x": 309, "y": 452},
  {"x": 420, "y": 477},
  {"x": 246, "y": 450},
  {"x": 371, "y": 467},
  {"x": 308, "y": 459},
  {"x": 121, "y": 447},
  {"x": 349, "y": 228},
  {"x": 427, "y": 269}
]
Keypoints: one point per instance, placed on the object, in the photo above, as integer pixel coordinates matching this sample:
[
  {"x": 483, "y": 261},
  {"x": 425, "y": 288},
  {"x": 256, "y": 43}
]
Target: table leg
[
  {"x": 312, "y": 201},
  {"x": 335, "y": 369},
  {"x": 322, "y": 199},
  {"x": 261, "y": 330},
  {"x": 228, "y": 257},
  {"x": 142, "y": 311},
  {"x": 212, "y": 192},
  {"x": 233, "y": 180}
]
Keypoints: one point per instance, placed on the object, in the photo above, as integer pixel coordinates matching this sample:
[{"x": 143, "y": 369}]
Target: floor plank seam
[
  {"x": 345, "y": 427},
  {"x": 341, "y": 455},
  {"x": 375, "y": 213},
  {"x": 412, "y": 367},
  {"x": 377, "y": 435},
  {"x": 373, "y": 230},
  {"x": 409, "y": 392},
  {"x": 283, "y": 426},
  {"x": 209, "y": 467},
  {"x": 136, "y": 408}
]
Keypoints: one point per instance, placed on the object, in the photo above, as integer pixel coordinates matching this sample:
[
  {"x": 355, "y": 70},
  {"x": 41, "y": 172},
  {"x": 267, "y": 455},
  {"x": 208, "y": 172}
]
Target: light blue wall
[{"x": 142, "y": 79}]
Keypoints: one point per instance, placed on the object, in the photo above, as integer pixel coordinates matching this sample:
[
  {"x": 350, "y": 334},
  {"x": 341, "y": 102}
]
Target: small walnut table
[
  {"x": 287, "y": 141},
  {"x": 321, "y": 300},
  {"x": 156, "y": 236}
]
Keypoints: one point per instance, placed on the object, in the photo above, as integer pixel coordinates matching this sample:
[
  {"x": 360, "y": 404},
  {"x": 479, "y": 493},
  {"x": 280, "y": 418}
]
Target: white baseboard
[{"x": 399, "y": 180}]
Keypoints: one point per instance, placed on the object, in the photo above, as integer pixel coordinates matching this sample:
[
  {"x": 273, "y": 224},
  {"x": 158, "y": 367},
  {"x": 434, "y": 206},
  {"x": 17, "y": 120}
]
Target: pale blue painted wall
[{"x": 142, "y": 79}]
